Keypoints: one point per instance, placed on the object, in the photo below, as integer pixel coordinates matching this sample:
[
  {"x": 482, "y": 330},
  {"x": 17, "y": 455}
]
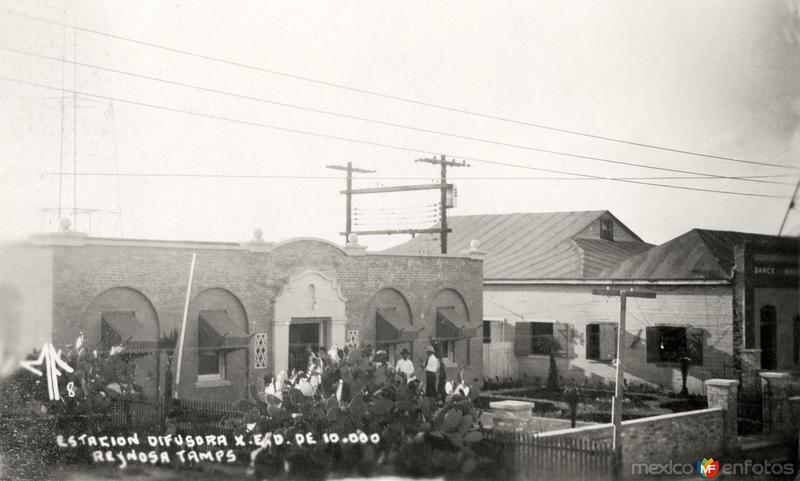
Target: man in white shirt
[
  {"x": 405, "y": 365},
  {"x": 431, "y": 368}
]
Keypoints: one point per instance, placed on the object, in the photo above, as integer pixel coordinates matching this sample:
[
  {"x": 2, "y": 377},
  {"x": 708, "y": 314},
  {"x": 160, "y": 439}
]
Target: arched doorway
[{"x": 309, "y": 313}]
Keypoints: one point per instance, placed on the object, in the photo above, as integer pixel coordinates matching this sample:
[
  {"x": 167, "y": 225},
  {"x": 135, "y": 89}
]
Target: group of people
[
  {"x": 329, "y": 371},
  {"x": 436, "y": 383}
]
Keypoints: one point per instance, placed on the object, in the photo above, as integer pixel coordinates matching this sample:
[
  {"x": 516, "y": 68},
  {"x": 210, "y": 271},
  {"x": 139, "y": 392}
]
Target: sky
[{"x": 713, "y": 77}]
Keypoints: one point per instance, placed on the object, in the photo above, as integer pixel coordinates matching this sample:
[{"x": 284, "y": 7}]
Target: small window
[
  {"x": 312, "y": 294},
  {"x": 210, "y": 365},
  {"x": 541, "y": 337},
  {"x": 671, "y": 343},
  {"x": 487, "y": 332},
  {"x": 606, "y": 229},
  {"x": 447, "y": 350},
  {"x": 601, "y": 341}
]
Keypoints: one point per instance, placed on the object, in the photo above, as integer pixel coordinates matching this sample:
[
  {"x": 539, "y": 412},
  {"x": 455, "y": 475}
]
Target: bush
[
  {"x": 27, "y": 428},
  {"x": 397, "y": 430},
  {"x": 30, "y": 421}
]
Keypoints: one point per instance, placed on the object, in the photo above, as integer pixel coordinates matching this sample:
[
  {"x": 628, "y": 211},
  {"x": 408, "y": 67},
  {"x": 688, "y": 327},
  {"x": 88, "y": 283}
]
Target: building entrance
[{"x": 302, "y": 336}]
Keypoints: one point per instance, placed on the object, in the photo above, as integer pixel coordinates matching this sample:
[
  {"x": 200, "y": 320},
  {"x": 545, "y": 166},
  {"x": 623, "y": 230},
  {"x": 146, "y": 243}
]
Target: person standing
[
  {"x": 431, "y": 366},
  {"x": 441, "y": 382},
  {"x": 405, "y": 365}
]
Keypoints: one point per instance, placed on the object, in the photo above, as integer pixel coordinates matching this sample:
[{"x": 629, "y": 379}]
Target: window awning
[
  {"x": 122, "y": 328},
  {"x": 448, "y": 329},
  {"x": 218, "y": 331},
  {"x": 389, "y": 328}
]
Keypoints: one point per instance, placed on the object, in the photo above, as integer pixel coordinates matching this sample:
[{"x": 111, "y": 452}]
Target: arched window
[
  {"x": 312, "y": 294},
  {"x": 769, "y": 341}
]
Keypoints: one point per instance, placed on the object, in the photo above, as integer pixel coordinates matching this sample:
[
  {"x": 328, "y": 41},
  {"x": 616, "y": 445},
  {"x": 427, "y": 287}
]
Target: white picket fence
[{"x": 499, "y": 360}]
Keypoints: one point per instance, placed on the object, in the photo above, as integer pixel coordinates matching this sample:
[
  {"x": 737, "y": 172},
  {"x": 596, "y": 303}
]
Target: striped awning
[
  {"x": 120, "y": 328},
  {"x": 450, "y": 329},
  {"x": 389, "y": 328},
  {"x": 218, "y": 331}
]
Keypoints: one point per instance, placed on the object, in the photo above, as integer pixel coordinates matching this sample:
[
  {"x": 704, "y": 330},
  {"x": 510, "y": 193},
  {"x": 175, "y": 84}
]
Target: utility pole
[
  {"x": 616, "y": 406},
  {"x": 349, "y": 169},
  {"x": 444, "y": 187}
]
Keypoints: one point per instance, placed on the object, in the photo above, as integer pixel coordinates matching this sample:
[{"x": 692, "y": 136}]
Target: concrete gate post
[
  {"x": 751, "y": 364},
  {"x": 722, "y": 393},
  {"x": 776, "y": 413}
]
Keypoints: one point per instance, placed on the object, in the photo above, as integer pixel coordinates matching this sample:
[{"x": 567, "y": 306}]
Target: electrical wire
[
  {"x": 391, "y": 124},
  {"x": 434, "y": 205},
  {"x": 408, "y": 214},
  {"x": 331, "y": 177},
  {"x": 383, "y": 145},
  {"x": 392, "y": 97}
]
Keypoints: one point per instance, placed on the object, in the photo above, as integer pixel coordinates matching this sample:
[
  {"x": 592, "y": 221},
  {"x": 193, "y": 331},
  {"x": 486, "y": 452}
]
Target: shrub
[
  {"x": 397, "y": 430},
  {"x": 29, "y": 420}
]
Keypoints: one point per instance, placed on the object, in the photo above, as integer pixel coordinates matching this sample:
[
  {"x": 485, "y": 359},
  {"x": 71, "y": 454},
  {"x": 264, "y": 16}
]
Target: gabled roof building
[
  {"x": 727, "y": 301},
  {"x": 541, "y": 245}
]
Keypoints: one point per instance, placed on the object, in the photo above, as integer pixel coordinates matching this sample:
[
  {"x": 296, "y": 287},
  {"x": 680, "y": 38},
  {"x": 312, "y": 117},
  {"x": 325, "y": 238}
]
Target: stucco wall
[
  {"x": 705, "y": 307},
  {"x": 680, "y": 438}
]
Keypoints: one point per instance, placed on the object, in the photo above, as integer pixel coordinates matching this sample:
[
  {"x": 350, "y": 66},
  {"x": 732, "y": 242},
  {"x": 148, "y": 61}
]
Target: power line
[
  {"x": 385, "y": 123},
  {"x": 409, "y": 215},
  {"x": 789, "y": 207},
  {"x": 387, "y": 146},
  {"x": 407, "y": 218},
  {"x": 433, "y": 205},
  {"x": 323, "y": 177},
  {"x": 393, "y": 97}
]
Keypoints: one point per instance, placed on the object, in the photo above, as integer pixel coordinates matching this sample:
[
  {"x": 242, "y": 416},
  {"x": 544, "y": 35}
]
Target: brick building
[{"x": 254, "y": 306}]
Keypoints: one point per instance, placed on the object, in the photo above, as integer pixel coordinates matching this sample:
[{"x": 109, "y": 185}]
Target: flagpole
[{"x": 183, "y": 329}]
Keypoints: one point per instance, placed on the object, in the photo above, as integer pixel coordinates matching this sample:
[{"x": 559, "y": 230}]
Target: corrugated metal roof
[
  {"x": 536, "y": 245},
  {"x": 601, "y": 254},
  {"x": 697, "y": 254}
]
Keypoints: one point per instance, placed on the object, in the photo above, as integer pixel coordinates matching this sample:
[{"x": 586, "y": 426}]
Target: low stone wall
[
  {"x": 681, "y": 437},
  {"x": 535, "y": 424}
]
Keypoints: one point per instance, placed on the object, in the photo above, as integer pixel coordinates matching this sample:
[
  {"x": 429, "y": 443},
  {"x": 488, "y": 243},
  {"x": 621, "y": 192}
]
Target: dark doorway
[
  {"x": 302, "y": 336},
  {"x": 768, "y": 338}
]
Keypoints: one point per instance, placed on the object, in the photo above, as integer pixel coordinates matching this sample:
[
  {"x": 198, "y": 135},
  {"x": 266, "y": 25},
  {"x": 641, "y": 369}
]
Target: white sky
[{"x": 717, "y": 77}]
